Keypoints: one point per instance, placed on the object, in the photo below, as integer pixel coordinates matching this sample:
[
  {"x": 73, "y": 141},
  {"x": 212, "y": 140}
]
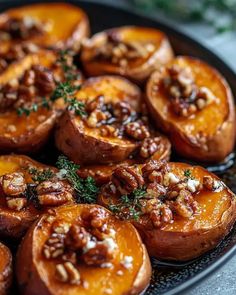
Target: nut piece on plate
[
  {"x": 27, "y": 110},
  {"x": 5, "y": 269},
  {"x": 27, "y": 189},
  {"x": 55, "y": 25},
  {"x": 133, "y": 52},
  {"x": 82, "y": 249},
  {"x": 191, "y": 102},
  {"x": 112, "y": 125},
  {"x": 180, "y": 211}
]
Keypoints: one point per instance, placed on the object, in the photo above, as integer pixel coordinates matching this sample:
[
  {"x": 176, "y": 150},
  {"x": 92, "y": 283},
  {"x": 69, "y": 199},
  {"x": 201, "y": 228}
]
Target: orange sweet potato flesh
[
  {"x": 209, "y": 135},
  {"x": 5, "y": 269},
  {"x": 188, "y": 238},
  {"x": 137, "y": 70},
  {"x": 13, "y": 224},
  {"x": 31, "y": 132},
  {"x": 37, "y": 276},
  {"x": 67, "y": 25},
  {"x": 85, "y": 145}
]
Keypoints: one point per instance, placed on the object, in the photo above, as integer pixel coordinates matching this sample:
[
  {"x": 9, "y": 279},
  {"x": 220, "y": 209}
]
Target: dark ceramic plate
[{"x": 168, "y": 278}]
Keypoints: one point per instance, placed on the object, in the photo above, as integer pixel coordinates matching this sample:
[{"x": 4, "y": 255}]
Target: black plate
[{"x": 168, "y": 278}]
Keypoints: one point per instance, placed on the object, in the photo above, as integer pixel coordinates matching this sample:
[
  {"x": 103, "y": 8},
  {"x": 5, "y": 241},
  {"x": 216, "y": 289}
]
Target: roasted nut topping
[
  {"x": 95, "y": 217},
  {"x": 137, "y": 130},
  {"x": 185, "y": 205},
  {"x": 16, "y": 204},
  {"x": 13, "y": 184},
  {"x": 149, "y": 146},
  {"x": 126, "y": 180},
  {"x": 185, "y": 96},
  {"x": 153, "y": 171},
  {"x": 117, "y": 52},
  {"x": 44, "y": 80},
  {"x": 51, "y": 193},
  {"x": 8, "y": 95},
  {"x": 97, "y": 255},
  {"x": 24, "y": 28},
  {"x": 77, "y": 237},
  {"x": 122, "y": 110},
  {"x": 161, "y": 215}
]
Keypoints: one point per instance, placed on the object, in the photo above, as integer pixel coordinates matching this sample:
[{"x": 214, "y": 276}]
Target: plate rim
[{"x": 166, "y": 27}]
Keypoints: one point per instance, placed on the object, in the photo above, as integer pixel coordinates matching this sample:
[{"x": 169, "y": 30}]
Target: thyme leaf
[
  {"x": 130, "y": 205},
  {"x": 40, "y": 176},
  {"x": 86, "y": 189}
]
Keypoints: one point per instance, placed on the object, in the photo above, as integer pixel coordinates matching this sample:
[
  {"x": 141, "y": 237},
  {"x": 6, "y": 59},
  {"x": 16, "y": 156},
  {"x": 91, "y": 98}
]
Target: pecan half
[
  {"x": 126, "y": 179},
  {"x": 13, "y": 184},
  {"x": 149, "y": 146},
  {"x": 53, "y": 193},
  {"x": 77, "y": 237},
  {"x": 44, "y": 80},
  {"x": 137, "y": 130},
  {"x": 97, "y": 255}
]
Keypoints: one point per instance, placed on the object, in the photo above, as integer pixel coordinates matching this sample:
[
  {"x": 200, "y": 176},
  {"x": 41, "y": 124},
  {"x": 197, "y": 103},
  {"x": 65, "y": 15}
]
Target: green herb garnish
[
  {"x": 40, "y": 176},
  {"x": 130, "y": 205},
  {"x": 188, "y": 174},
  {"x": 86, "y": 189}
]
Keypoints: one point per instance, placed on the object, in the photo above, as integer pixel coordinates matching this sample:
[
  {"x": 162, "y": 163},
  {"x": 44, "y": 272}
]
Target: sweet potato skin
[
  {"x": 102, "y": 173},
  {"x": 138, "y": 73},
  {"x": 66, "y": 34},
  {"x": 33, "y": 281},
  {"x": 217, "y": 145},
  {"x": 5, "y": 269},
  {"x": 81, "y": 144}
]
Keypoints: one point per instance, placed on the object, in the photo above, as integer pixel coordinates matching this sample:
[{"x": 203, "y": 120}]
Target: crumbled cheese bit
[
  {"x": 110, "y": 243},
  {"x": 112, "y": 233},
  {"x": 107, "y": 291},
  {"x": 120, "y": 273},
  {"x": 107, "y": 265},
  {"x": 218, "y": 186},
  {"x": 192, "y": 185},
  {"x": 127, "y": 262},
  {"x": 104, "y": 227},
  {"x": 90, "y": 245},
  {"x": 61, "y": 173},
  {"x": 170, "y": 178},
  {"x": 85, "y": 284}
]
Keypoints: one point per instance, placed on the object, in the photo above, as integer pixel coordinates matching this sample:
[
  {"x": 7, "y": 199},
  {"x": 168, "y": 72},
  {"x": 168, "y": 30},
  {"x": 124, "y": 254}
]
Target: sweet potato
[
  {"x": 40, "y": 273},
  {"x": 20, "y": 131},
  {"x": 133, "y": 52},
  {"x": 19, "y": 210},
  {"x": 113, "y": 104},
  {"x": 184, "y": 212},
  {"x": 201, "y": 126},
  {"x": 57, "y": 25},
  {"x": 5, "y": 269}
]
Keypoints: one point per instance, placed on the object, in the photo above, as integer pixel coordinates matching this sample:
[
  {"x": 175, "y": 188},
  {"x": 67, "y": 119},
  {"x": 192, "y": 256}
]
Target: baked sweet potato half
[
  {"x": 82, "y": 249},
  {"x": 27, "y": 189},
  {"x": 57, "y": 25},
  {"x": 5, "y": 269},
  {"x": 113, "y": 126},
  {"x": 193, "y": 104},
  {"x": 180, "y": 211},
  {"x": 133, "y": 52},
  {"x": 27, "y": 113}
]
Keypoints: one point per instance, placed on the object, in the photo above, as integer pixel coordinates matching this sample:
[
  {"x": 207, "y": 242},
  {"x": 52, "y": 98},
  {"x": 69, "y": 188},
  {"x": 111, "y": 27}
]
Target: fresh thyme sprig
[
  {"x": 41, "y": 175},
  {"x": 86, "y": 189},
  {"x": 27, "y": 110},
  {"x": 130, "y": 205},
  {"x": 65, "y": 90}
]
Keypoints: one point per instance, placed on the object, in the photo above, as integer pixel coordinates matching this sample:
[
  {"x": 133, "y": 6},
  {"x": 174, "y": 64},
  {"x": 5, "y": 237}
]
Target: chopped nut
[
  {"x": 61, "y": 273},
  {"x": 126, "y": 179},
  {"x": 44, "y": 80},
  {"x": 77, "y": 237},
  {"x": 149, "y": 147},
  {"x": 13, "y": 184},
  {"x": 137, "y": 131},
  {"x": 11, "y": 128},
  {"x": 16, "y": 204}
]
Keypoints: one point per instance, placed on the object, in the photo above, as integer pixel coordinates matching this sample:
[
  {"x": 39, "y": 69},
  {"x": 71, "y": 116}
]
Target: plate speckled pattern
[{"x": 167, "y": 278}]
